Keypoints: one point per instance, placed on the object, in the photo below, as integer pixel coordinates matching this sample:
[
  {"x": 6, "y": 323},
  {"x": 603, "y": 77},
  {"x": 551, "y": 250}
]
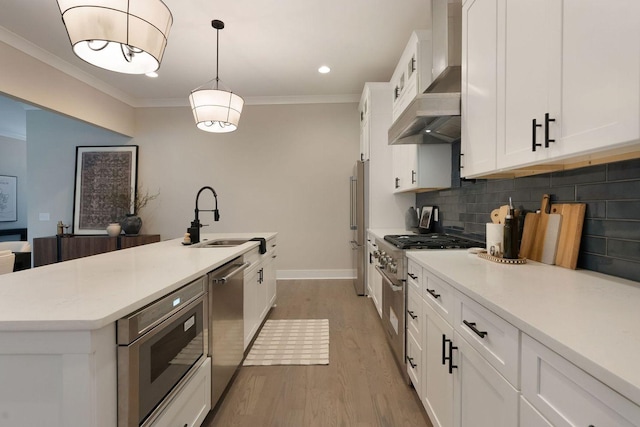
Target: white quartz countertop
[
  {"x": 89, "y": 293},
  {"x": 591, "y": 319}
]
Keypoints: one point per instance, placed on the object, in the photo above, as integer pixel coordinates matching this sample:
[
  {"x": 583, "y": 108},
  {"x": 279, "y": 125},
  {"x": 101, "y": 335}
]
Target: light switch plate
[{"x": 44, "y": 216}]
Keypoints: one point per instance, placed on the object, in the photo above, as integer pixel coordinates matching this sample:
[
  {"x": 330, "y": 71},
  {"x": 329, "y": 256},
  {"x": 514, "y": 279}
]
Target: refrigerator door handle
[{"x": 352, "y": 220}]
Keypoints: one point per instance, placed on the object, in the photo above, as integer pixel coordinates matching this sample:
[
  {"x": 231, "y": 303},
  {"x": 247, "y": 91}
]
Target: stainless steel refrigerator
[{"x": 359, "y": 222}]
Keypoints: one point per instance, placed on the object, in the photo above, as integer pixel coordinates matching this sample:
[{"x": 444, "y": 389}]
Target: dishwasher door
[{"x": 226, "y": 329}]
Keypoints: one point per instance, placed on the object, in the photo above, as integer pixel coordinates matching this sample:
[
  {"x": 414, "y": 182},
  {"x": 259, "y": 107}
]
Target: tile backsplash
[{"x": 611, "y": 233}]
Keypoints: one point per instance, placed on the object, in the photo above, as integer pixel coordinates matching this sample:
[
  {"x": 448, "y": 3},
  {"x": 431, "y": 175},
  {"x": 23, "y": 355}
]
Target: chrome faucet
[{"x": 194, "y": 230}]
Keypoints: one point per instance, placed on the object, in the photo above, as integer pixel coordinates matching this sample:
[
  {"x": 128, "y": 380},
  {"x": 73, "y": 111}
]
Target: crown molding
[
  {"x": 261, "y": 100},
  {"x": 21, "y": 136},
  {"x": 42, "y": 55}
]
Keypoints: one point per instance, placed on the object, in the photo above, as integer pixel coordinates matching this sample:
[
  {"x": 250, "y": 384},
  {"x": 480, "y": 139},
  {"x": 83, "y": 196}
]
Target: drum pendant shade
[
  {"x": 126, "y": 36},
  {"x": 216, "y": 110}
]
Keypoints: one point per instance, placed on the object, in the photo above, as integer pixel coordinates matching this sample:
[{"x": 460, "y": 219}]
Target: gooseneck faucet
[{"x": 194, "y": 230}]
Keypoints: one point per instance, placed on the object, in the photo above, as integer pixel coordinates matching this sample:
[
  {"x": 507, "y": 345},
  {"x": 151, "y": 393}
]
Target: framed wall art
[
  {"x": 104, "y": 174},
  {"x": 8, "y": 198}
]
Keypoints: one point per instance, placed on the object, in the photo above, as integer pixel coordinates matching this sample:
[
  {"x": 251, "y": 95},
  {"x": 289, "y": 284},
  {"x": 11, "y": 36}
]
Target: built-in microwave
[{"x": 159, "y": 347}]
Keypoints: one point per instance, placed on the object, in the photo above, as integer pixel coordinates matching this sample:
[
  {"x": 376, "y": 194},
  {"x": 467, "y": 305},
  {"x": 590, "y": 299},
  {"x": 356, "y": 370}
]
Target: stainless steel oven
[
  {"x": 159, "y": 347},
  {"x": 391, "y": 264}
]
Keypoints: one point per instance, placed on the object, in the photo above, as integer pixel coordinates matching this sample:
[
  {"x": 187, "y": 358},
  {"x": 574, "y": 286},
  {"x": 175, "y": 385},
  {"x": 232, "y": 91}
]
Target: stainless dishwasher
[{"x": 226, "y": 329}]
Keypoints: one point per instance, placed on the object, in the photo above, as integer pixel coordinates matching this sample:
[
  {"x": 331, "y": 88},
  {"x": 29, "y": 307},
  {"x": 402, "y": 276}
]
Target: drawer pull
[
  {"x": 433, "y": 293},
  {"x": 444, "y": 349},
  {"x": 413, "y": 276},
  {"x": 412, "y": 314},
  {"x": 472, "y": 326},
  {"x": 410, "y": 360}
]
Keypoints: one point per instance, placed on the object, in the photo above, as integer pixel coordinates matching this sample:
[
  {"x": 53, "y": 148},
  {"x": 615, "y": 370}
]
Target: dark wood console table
[{"x": 49, "y": 250}]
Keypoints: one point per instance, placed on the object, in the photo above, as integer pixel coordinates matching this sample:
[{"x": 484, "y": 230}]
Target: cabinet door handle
[
  {"x": 450, "y": 358},
  {"x": 547, "y": 120},
  {"x": 533, "y": 136},
  {"x": 413, "y": 276},
  {"x": 433, "y": 293},
  {"x": 397, "y": 182},
  {"x": 444, "y": 348},
  {"x": 412, "y": 314},
  {"x": 461, "y": 165},
  {"x": 472, "y": 326},
  {"x": 396, "y": 93},
  {"x": 361, "y": 156},
  {"x": 410, "y": 360},
  {"x": 413, "y": 177}
]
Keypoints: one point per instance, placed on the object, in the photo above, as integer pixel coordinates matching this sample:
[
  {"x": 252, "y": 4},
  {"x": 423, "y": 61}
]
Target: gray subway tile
[
  {"x": 579, "y": 176},
  {"x": 596, "y": 210},
  {"x": 613, "y": 229},
  {"x": 623, "y": 249},
  {"x": 613, "y": 266},
  {"x": 594, "y": 245},
  {"x": 609, "y": 191},
  {"x": 623, "y": 209},
  {"x": 629, "y": 169}
]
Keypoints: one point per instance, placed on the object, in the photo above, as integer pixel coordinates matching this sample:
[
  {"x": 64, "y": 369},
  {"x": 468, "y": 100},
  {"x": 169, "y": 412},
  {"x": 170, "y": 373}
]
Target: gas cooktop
[{"x": 430, "y": 241}]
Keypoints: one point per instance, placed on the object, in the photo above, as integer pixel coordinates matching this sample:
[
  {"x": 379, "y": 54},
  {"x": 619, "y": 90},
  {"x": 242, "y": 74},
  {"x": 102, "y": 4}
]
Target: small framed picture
[
  {"x": 425, "y": 218},
  {"x": 8, "y": 198},
  {"x": 103, "y": 175}
]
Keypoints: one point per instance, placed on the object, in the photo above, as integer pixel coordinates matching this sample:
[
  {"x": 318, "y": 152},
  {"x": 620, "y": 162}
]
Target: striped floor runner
[{"x": 291, "y": 342}]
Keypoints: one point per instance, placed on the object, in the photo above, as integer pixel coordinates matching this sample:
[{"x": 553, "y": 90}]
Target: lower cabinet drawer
[
  {"x": 192, "y": 404},
  {"x": 566, "y": 395},
  {"x": 495, "y": 339},
  {"x": 414, "y": 313}
]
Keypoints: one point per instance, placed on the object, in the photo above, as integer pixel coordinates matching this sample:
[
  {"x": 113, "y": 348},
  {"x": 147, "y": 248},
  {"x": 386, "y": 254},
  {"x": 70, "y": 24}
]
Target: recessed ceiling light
[
  {"x": 151, "y": 74},
  {"x": 324, "y": 69}
]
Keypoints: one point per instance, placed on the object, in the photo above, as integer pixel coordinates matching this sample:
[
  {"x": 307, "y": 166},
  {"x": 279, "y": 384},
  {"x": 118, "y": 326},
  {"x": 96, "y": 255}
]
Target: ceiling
[{"x": 270, "y": 51}]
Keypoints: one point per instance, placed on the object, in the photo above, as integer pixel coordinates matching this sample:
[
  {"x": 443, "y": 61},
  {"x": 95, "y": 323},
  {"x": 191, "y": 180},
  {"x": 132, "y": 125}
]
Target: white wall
[
  {"x": 13, "y": 162},
  {"x": 285, "y": 169},
  {"x": 51, "y": 154}
]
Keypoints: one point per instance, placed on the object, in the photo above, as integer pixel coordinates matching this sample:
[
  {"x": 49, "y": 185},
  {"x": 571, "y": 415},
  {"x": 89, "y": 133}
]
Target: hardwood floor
[{"x": 361, "y": 386}]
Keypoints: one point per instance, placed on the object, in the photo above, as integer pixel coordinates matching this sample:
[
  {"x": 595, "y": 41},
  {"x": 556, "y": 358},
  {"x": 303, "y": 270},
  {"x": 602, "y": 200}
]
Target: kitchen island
[{"x": 58, "y": 362}]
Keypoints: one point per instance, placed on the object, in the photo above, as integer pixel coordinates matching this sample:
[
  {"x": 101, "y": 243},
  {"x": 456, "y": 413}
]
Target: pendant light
[
  {"x": 126, "y": 36},
  {"x": 216, "y": 110}
]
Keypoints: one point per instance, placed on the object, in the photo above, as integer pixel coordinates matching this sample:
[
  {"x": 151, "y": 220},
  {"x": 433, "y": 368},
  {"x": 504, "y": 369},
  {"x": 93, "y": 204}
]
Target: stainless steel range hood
[{"x": 434, "y": 116}]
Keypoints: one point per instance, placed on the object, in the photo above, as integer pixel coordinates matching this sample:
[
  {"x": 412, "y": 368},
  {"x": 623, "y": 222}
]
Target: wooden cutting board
[
  {"x": 528, "y": 234},
  {"x": 544, "y": 247},
  {"x": 570, "y": 233}
]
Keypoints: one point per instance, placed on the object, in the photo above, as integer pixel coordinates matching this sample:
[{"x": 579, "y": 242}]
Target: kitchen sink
[{"x": 220, "y": 243}]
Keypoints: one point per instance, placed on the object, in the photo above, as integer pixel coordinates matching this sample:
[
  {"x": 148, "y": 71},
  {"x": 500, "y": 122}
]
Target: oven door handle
[{"x": 394, "y": 288}]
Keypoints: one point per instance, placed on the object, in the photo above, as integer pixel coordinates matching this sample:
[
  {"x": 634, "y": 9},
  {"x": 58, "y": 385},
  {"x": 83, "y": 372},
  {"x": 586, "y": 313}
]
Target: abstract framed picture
[
  {"x": 103, "y": 175},
  {"x": 8, "y": 198}
]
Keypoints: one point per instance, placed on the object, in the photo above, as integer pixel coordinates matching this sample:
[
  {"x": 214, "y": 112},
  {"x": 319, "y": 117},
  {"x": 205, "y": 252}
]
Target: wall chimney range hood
[{"x": 433, "y": 117}]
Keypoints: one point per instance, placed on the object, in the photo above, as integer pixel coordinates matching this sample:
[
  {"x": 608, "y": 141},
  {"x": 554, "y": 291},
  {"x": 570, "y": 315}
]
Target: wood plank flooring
[{"x": 361, "y": 386}]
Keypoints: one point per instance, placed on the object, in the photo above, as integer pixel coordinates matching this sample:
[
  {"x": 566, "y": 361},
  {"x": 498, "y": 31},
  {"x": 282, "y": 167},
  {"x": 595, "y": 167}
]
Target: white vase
[{"x": 114, "y": 229}]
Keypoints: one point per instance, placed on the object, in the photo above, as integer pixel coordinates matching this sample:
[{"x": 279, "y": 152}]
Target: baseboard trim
[{"x": 315, "y": 274}]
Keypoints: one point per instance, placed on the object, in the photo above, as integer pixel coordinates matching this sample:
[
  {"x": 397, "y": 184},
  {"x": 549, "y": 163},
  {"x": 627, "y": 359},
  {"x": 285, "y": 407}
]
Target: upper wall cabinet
[
  {"x": 548, "y": 81},
  {"x": 413, "y": 72},
  {"x": 365, "y": 122}
]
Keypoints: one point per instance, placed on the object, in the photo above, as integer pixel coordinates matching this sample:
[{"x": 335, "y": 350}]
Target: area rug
[{"x": 291, "y": 342}]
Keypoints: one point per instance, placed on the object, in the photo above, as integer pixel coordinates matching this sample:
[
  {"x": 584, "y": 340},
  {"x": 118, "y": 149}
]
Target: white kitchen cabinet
[
  {"x": 192, "y": 404},
  {"x": 386, "y": 209},
  {"x": 259, "y": 289},
  {"x": 567, "y": 65},
  {"x": 530, "y": 417},
  {"x": 479, "y": 94},
  {"x": 568, "y": 396},
  {"x": 365, "y": 124},
  {"x": 420, "y": 167},
  {"x": 413, "y": 72},
  {"x": 374, "y": 281},
  {"x": 482, "y": 397},
  {"x": 438, "y": 382}
]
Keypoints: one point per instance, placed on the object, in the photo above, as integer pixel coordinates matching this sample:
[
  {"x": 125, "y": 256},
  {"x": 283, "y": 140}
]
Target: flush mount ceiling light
[
  {"x": 216, "y": 110},
  {"x": 126, "y": 36},
  {"x": 324, "y": 69}
]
